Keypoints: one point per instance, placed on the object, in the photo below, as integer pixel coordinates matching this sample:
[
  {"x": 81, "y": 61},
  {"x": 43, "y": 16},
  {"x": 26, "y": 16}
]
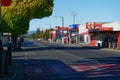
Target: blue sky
[{"x": 85, "y": 11}]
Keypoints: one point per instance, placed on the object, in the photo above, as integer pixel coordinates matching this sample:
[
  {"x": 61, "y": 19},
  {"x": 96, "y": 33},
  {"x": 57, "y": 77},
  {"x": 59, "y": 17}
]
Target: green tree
[
  {"x": 47, "y": 34},
  {"x": 38, "y": 33},
  {"x": 16, "y": 17},
  {"x": 18, "y": 14}
]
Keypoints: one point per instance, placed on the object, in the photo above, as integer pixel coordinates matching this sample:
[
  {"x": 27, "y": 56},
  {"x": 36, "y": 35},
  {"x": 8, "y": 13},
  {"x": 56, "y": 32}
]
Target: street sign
[{"x": 6, "y": 2}]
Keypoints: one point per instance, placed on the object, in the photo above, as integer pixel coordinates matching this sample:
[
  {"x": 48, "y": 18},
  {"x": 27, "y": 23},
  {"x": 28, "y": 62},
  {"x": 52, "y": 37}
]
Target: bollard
[
  {"x": 113, "y": 45},
  {"x": 109, "y": 44},
  {"x": 9, "y": 53}
]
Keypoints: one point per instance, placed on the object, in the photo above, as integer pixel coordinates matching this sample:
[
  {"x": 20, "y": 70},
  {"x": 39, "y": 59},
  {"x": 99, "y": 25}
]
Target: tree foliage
[
  {"x": 16, "y": 17},
  {"x": 41, "y": 34}
]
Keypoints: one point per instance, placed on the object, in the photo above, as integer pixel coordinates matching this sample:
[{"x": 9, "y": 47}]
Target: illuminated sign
[
  {"x": 90, "y": 25},
  {"x": 93, "y": 25}
]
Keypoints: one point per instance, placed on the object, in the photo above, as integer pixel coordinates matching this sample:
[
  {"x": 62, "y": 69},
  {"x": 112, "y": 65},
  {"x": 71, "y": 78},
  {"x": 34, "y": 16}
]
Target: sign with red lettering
[
  {"x": 6, "y": 2},
  {"x": 90, "y": 25}
]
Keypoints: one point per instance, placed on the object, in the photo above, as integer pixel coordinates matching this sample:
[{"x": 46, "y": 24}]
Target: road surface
[{"x": 78, "y": 62}]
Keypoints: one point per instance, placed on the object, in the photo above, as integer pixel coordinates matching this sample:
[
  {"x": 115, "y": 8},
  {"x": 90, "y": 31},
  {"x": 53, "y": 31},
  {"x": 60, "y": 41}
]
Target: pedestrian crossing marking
[{"x": 97, "y": 68}]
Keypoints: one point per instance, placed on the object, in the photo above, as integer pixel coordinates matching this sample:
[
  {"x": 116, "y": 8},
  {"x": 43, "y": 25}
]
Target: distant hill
[{"x": 31, "y": 32}]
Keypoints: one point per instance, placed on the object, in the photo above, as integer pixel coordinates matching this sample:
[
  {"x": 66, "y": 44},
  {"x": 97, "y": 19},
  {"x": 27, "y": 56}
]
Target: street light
[
  {"x": 62, "y": 26},
  {"x": 74, "y": 15},
  {"x": 62, "y": 20}
]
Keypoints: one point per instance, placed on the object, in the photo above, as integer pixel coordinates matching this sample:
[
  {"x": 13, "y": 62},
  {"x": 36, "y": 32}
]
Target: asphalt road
[{"x": 93, "y": 63}]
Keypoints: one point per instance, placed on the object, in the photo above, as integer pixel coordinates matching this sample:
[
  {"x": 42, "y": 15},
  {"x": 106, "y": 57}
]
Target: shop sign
[
  {"x": 90, "y": 25},
  {"x": 73, "y": 26},
  {"x": 93, "y": 25}
]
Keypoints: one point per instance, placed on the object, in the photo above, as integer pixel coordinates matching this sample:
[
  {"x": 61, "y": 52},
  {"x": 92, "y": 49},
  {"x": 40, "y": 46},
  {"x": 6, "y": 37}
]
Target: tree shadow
[
  {"x": 41, "y": 48},
  {"x": 46, "y": 69}
]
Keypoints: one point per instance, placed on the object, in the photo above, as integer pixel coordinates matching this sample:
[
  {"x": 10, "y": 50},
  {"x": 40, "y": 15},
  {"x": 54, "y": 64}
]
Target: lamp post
[
  {"x": 62, "y": 27},
  {"x": 2, "y": 3},
  {"x": 4, "y": 62},
  {"x": 74, "y": 15},
  {"x": 62, "y": 20},
  {"x": 1, "y": 47}
]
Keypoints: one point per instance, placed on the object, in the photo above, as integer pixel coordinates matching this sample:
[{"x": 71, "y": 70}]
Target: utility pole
[
  {"x": 1, "y": 47},
  {"x": 3, "y": 59},
  {"x": 74, "y": 15}
]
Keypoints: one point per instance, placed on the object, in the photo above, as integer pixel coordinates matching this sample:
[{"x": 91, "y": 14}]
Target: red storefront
[
  {"x": 60, "y": 32},
  {"x": 103, "y": 34}
]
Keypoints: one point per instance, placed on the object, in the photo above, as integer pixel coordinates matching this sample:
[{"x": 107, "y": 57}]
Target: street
[
  {"x": 59, "y": 40},
  {"x": 90, "y": 62}
]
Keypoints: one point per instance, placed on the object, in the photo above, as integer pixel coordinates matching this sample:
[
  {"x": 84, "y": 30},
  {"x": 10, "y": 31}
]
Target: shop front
[
  {"x": 94, "y": 33},
  {"x": 84, "y": 37},
  {"x": 73, "y": 30},
  {"x": 104, "y": 34}
]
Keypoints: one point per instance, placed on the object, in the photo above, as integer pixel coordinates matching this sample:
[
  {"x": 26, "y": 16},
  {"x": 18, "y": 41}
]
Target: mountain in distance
[{"x": 31, "y": 32}]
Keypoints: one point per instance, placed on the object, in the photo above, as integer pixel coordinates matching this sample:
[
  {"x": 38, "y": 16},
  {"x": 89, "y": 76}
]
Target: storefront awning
[{"x": 106, "y": 29}]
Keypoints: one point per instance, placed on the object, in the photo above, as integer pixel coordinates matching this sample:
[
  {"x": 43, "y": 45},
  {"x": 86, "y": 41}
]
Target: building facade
[{"x": 104, "y": 34}]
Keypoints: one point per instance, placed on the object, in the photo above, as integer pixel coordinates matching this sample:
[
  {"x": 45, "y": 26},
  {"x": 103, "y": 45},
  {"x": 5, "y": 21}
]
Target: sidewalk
[
  {"x": 15, "y": 73},
  {"x": 108, "y": 49},
  {"x": 95, "y": 47}
]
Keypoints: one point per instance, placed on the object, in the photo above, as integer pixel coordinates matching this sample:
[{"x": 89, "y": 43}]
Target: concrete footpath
[
  {"x": 15, "y": 73},
  {"x": 91, "y": 47}
]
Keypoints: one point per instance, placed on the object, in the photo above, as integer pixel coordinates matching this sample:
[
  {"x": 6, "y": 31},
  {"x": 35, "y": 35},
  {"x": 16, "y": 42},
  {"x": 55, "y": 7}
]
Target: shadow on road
[
  {"x": 107, "y": 68},
  {"x": 32, "y": 46},
  {"x": 56, "y": 48},
  {"x": 46, "y": 69}
]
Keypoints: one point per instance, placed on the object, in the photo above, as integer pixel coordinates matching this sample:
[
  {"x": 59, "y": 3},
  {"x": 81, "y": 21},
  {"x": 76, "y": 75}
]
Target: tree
[
  {"x": 18, "y": 14},
  {"x": 38, "y": 33},
  {"x": 16, "y": 17},
  {"x": 47, "y": 34}
]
